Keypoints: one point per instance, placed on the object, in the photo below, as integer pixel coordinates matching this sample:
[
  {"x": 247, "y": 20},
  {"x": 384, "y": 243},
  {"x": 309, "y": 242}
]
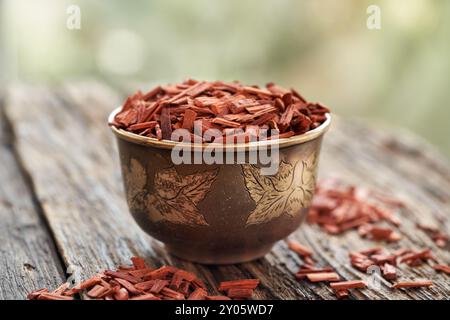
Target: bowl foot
[{"x": 219, "y": 255}]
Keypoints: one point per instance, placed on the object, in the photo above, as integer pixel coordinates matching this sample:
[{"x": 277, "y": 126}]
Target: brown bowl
[{"x": 219, "y": 213}]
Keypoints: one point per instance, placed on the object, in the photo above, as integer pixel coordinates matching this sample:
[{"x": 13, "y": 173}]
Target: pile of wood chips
[
  {"x": 140, "y": 282},
  {"x": 235, "y": 110},
  {"x": 337, "y": 207}
]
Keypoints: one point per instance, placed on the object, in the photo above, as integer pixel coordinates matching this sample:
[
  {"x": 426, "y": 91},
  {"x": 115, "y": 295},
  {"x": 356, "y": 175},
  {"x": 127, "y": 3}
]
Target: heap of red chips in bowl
[{"x": 235, "y": 110}]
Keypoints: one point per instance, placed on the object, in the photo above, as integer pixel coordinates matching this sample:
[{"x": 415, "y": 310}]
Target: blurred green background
[{"x": 398, "y": 75}]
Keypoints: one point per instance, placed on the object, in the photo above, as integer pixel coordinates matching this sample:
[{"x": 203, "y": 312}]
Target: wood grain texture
[
  {"x": 28, "y": 257},
  {"x": 67, "y": 149}
]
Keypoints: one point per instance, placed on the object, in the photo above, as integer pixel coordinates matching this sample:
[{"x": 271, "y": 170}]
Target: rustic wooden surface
[
  {"x": 28, "y": 257},
  {"x": 62, "y": 204}
]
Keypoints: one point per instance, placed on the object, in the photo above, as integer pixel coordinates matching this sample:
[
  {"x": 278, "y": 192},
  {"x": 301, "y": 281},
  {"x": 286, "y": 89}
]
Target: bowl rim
[{"x": 169, "y": 144}]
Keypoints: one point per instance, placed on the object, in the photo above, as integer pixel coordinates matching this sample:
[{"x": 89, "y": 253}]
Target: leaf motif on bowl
[
  {"x": 135, "y": 179},
  {"x": 288, "y": 191},
  {"x": 175, "y": 198}
]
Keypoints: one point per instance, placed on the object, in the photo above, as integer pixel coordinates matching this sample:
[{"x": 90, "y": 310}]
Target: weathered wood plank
[
  {"x": 75, "y": 180},
  {"x": 28, "y": 257},
  {"x": 69, "y": 152}
]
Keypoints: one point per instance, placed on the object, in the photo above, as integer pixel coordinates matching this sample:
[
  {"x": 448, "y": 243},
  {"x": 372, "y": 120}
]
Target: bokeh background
[{"x": 398, "y": 75}]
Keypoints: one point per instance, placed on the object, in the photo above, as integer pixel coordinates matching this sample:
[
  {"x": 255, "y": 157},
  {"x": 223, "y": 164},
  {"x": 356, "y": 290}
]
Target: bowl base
[{"x": 218, "y": 256}]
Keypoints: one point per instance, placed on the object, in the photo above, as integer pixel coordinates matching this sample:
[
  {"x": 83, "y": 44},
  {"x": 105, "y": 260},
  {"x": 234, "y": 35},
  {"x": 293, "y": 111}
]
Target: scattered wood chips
[
  {"x": 362, "y": 260},
  {"x": 322, "y": 274},
  {"x": 388, "y": 262}
]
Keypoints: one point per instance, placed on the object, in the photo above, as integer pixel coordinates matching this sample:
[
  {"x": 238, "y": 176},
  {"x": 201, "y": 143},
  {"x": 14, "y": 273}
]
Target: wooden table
[{"x": 62, "y": 206}]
